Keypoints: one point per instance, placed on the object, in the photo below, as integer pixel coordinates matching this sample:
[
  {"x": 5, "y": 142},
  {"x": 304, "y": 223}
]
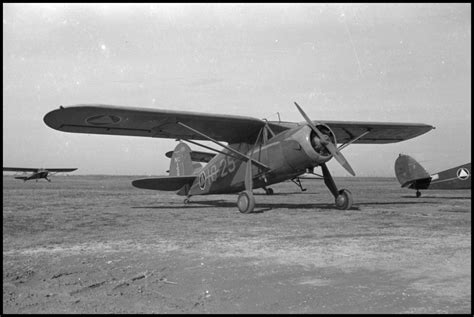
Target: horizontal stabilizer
[
  {"x": 168, "y": 183},
  {"x": 196, "y": 156}
]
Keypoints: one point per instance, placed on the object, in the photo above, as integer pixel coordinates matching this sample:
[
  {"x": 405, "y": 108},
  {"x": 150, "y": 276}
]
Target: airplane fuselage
[
  {"x": 287, "y": 154},
  {"x": 454, "y": 178},
  {"x": 35, "y": 175}
]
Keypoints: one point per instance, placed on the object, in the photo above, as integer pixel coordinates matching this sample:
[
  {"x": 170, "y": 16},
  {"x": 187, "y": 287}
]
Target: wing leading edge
[
  {"x": 155, "y": 123},
  {"x": 378, "y": 132}
]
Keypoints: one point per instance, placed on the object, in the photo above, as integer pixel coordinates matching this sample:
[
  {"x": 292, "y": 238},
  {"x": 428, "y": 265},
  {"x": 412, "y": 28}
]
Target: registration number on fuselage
[{"x": 217, "y": 170}]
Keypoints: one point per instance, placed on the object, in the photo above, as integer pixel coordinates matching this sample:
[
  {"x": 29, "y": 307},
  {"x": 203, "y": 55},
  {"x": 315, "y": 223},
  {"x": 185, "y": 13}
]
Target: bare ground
[{"x": 86, "y": 244}]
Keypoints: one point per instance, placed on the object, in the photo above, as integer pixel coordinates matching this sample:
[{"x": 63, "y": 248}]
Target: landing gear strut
[
  {"x": 268, "y": 191},
  {"x": 343, "y": 197},
  {"x": 246, "y": 201},
  {"x": 187, "y": 200},
  {"x": 297, "y": 181}
]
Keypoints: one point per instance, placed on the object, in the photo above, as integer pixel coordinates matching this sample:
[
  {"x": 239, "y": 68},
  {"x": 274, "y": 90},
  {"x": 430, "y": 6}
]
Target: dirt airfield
[{"x": 95, "y": 244}]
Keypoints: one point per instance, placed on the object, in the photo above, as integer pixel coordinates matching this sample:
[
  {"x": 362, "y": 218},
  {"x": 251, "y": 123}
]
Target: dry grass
[{"x": 96, "y": 244}]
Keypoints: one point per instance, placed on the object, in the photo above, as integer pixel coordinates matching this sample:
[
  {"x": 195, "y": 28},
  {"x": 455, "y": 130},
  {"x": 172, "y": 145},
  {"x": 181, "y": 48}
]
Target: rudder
[
  {"x": 181, "y": 164},
  {"x": 408, "y": 170}
]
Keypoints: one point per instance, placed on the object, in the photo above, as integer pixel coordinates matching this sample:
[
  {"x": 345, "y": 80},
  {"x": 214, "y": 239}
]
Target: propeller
[{"x": 327, "y": 143}]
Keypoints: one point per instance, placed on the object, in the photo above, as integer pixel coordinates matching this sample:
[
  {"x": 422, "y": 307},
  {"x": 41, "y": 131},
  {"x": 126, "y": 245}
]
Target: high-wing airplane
[
  {"x": 258, "y": 153},
  {"x": 411, "y": 174},
  {"x": 37, "y": 173}
]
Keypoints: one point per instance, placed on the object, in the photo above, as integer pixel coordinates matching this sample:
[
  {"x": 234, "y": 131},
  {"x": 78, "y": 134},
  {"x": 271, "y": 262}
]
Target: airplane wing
[
  {"x": 155, "y": 123},
  {"x": 20, "y": 169},
  {"x": 27, "y": 169},
  {"x": 378, "y": 132},
  {"x": 60, "y": 170}
]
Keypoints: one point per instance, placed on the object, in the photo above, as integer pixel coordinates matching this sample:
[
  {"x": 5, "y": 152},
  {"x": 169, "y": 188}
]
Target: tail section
[
  {"x": 181, "y": 164},
  {"x": 410, "y": 172}
]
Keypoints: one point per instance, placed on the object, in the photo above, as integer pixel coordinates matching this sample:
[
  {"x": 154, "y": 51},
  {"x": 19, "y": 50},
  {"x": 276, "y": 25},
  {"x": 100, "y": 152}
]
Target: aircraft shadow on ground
[
  {"x": 393, "y": 203},
  {"x": 259, "y": 207},
  {"x": 262, "y": 207},
  {"x": 438, "y": 197},
  {"x": 285, "y": 194}
]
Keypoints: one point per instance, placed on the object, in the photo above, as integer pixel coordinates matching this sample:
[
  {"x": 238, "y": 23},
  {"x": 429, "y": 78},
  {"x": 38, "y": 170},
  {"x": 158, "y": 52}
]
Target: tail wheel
[
  {"x": 344, "y": 199},
  {"x": 269, "y": 191},
  {"x": 246, "y": 202}
]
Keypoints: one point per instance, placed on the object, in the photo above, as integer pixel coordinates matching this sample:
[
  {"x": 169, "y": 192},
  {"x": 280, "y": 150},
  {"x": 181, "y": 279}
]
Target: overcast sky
[{"x": 362, "y": 62}]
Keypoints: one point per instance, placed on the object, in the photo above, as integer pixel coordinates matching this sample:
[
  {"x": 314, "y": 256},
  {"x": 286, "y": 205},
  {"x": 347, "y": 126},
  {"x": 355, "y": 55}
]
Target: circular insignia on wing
[
  {"x": 103, "y": 119},
  {"x": 463, "y": 173},
  {"x": 202, "y": 181}
]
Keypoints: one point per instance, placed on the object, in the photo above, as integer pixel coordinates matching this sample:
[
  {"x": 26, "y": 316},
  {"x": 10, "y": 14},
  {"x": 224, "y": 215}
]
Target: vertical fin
[
  {"x": 408, "y": 170},
  {"x": 181, "y": 164}
]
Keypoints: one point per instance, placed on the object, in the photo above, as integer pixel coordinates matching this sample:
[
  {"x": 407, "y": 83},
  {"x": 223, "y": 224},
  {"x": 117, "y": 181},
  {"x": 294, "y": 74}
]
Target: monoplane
[
  {"x": 411, "y": 174},
  {"x": 258, "y": 152},
  {"x": 37, "y": 173}
]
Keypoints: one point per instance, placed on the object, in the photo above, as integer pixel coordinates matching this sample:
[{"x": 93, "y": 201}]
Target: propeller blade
[
  {"x": 327, "y": 143},
  {"x": 340, "y": 158}
]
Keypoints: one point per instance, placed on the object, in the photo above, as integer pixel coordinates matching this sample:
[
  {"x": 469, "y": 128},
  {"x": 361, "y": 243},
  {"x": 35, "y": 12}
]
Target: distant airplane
[
  {"x": 37, "y": 173},
  {"x": 258, "y": 153},
  {"x": 411, "y": 174}
]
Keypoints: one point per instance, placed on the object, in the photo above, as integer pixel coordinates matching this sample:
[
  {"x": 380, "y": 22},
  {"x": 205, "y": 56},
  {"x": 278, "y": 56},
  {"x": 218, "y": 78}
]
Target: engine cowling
[{"x": 303, "y": 149}]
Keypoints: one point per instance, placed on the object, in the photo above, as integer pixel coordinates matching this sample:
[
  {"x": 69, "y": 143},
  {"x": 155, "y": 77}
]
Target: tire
[
  {"x": 344, "y": 199},
  {"x": 269, "y": 191},
  {"x": 246, "y": 202}
]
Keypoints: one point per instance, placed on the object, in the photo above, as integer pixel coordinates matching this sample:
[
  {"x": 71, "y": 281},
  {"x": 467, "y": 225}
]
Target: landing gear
[
  {"x": 246, "y": 202},
  {"x": 418, "y": 194},
  {"x": 268, "y": 191},
  {"x": 343, "y": 197},
  {"x": 297, "y": 181},
  {"x": 187, "y": 200}
]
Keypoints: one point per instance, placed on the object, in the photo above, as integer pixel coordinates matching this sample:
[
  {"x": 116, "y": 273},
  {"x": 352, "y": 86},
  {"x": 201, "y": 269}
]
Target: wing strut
[
  {"x": 352, "y": 141},
  {"x": 241, "y": 156},
  {"x": 208, "y": 147}
]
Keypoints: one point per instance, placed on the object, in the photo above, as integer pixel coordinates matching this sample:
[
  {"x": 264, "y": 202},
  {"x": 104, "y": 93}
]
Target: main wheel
[
  {"x": 245, "y": 202},
  {"x": 418, "y": 194},
  {"x": 344, "y": 199},
  {"x": 269, "y": 191}
]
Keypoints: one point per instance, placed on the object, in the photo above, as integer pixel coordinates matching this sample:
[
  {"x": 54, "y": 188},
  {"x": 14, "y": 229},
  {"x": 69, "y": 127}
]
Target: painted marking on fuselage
[
  {"x": 445, "y": 180},
  {"x": 220, "y": 169},
  {"x": 463, "y": 173}
]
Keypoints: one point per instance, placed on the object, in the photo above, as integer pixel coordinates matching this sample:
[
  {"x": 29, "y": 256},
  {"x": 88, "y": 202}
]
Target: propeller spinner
[{"x": 327, "y": 143}]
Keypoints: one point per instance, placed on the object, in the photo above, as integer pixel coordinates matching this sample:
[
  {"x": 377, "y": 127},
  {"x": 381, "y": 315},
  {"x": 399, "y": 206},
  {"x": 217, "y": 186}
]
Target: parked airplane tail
[
  {"x": 410, "y": 172},
  {"x": 180, "y": 173},
  {"x": 181, "y": 164}
]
